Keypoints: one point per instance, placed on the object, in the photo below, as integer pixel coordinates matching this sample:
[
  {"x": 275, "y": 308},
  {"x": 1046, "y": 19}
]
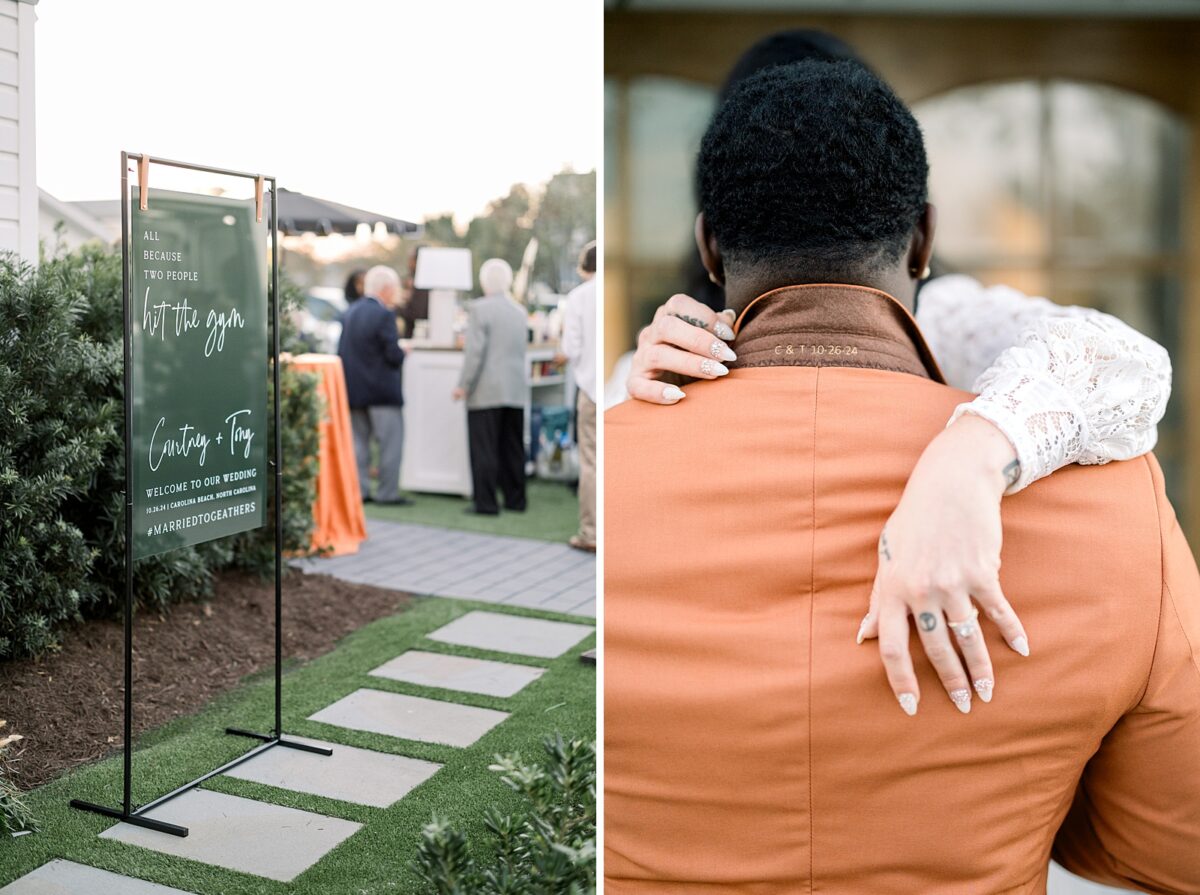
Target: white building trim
[{"x": 26, "y": 136}]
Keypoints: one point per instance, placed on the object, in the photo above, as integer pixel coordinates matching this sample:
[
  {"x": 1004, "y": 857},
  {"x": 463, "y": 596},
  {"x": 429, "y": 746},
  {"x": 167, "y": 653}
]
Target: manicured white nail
[
  {"x": 983, "y": 687},
  {"x": 908, "y": 702},
  {"x": 862, "y": 627},
  {"x": 961, "y": 700},
  {"x": 1021, "y": 645},
  {"x": 672, "y": 393},
  {"x": 712, "y": 368},
  {"x": 723, "y": 331},
  {"x": 721, "y": 351}
]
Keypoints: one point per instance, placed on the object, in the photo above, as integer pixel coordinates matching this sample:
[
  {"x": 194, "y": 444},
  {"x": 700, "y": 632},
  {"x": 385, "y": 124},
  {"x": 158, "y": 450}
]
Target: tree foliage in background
[
  {"x": 562, "y": 215},
  {"x": 62, "y": 462},
  {"x": 551, "y": 850},
  {"x": 504, "y": 229},
  {"x": 566, "y": 222}
]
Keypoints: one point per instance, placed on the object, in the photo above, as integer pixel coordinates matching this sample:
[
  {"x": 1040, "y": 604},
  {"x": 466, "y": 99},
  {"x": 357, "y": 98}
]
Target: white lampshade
[{"x": 443, "y": 268}]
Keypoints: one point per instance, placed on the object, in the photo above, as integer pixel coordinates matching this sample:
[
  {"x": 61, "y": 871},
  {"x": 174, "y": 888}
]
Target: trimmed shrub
[
  {"x": 62, "y": 462},
  {"x": 51, "y": 445},
  {"x": 551, "y": 850},
  {"x": 300, "y": 413},
  {"x": 14, "y": 815}
]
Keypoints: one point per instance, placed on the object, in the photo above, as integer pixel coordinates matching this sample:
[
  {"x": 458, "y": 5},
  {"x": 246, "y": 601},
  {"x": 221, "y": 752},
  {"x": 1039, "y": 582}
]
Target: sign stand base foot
[
  {"x": 133, "y": 819},
  {"x": 278, "y": 741},
  {"x": 137, "y": 818}
]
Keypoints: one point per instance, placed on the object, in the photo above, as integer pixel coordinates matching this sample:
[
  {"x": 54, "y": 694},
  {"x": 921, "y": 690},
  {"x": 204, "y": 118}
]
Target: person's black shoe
[
  {"x": 520, "y": 509},
  {"x": 474, "y": 511},
  {"x": 368, "y": 499},
  {"x": 398, "y": 502}
]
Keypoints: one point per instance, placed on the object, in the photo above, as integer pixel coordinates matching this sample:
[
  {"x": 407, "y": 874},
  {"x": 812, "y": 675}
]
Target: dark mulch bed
[{"x": 69, "y": 705}]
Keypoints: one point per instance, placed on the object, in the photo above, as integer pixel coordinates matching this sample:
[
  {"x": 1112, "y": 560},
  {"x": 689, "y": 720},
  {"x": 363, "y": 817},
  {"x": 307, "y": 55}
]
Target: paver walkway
[
  {"x": 241, "y": 834},
  {"x": 280, "y": 843},
  {"x": 443, "y": 562},
  {"x": 68, "y": 878}
]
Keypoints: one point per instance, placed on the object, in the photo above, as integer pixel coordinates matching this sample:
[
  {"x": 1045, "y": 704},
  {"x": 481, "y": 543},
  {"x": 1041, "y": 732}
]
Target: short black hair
[
  {"x": 587, "y": 258},
  {"x": 816, "y": 168}
]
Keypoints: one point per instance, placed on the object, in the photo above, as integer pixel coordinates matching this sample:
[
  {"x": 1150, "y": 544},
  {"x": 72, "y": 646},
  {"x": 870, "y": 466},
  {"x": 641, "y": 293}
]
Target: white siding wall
[{"x": 18, "y": 180}]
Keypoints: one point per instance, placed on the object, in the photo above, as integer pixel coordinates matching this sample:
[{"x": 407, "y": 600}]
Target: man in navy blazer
[{"x": 372, "y": 358}]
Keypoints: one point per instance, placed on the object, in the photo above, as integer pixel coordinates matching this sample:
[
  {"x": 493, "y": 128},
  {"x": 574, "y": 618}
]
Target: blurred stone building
[{"x": 1060, "y": 143}]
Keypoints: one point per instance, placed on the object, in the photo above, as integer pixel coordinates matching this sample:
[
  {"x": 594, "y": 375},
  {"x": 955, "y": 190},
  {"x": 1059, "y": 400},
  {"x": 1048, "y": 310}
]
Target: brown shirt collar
[{"x": 832, "y": 325}]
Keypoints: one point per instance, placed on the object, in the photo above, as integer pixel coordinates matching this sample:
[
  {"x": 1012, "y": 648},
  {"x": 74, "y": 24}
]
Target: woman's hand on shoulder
[
  {"x": 688, "y": 339},
  {"x": 939, "y": 558}
]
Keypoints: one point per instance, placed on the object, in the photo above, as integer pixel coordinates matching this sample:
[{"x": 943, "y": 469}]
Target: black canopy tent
[{"x": 299, "y": 213}]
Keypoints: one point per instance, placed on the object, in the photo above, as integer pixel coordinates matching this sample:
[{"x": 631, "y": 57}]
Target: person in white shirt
[{"x": 579, "y": 347}]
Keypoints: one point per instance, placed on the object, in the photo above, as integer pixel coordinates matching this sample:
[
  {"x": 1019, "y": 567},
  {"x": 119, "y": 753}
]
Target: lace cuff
[
  {"x": 1076, "y": 388},
  {"x": 1046, "y": 426}
]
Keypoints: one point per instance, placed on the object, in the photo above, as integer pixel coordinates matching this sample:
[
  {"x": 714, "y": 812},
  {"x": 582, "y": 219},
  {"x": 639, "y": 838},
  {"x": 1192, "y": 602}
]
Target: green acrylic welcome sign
[{"x": 200, "y": 361}]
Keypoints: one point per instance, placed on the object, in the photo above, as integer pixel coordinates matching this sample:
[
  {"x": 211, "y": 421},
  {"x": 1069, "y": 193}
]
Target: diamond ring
[{"x": 968, "y": 627}]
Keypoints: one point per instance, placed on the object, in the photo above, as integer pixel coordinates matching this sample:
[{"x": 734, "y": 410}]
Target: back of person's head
[
  {"x": 779, "y": 48},
  {"x": 784, "y": 48},
  {"x": 354, "y": 287},
  {"x": 495, "y": 276},
  {"x": 814, "y": 169},
  {"x": 381, "y": 282},
  {"x": 587, "y": 258}
]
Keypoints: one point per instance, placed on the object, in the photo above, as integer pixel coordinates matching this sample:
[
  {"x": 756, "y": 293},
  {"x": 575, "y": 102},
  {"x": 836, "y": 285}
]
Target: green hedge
[
  {"x": 62, "y": 459},
  {"x": 550, "y": 849},
  {"x": 14, "y": 814}
]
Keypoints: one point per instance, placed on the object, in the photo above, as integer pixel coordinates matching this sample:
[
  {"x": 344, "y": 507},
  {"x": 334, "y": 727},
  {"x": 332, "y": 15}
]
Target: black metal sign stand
[{"x": 127, "y": 812}]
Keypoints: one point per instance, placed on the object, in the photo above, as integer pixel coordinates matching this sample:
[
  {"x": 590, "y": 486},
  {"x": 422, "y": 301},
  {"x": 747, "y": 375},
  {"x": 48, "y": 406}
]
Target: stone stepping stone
[
  {"x": 410, "y": 717},
  {"x": 512, "y": 634},
  {"x": 459, "y": 673},
  {"x": 68, "y": 878},
  {"x": 350, "y": 774},
  {"x": 240, "y": 834}
]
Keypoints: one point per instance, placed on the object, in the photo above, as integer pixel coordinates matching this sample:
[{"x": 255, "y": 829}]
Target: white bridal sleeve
[{"x": 1066, "y": 385}]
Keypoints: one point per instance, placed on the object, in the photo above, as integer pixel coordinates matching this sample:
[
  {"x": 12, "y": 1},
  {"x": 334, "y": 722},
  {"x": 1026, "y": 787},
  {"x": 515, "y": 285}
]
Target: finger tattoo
[
  {"x": 1012, "y": 472},
  {"x": 927, "y": 621},
  {"x": 694, "y": 321},
  {"x": 883, "y": 546}
]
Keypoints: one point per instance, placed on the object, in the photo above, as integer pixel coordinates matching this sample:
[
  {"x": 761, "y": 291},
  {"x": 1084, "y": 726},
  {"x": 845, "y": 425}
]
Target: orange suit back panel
[{"x": 752, "y": 747}]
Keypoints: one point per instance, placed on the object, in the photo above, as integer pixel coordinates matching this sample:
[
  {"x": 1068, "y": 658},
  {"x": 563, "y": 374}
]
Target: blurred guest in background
[
  {"x": 579, "y": 347},
  {"x": 372, "y": 357},
  {"x": 493, "y": 384},
  {"x": 416, "y": 305},
  {"x": 354, "y": 286}
]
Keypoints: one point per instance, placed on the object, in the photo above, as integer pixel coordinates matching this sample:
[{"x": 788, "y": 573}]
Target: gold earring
[
  {"x": 923, "y": 275},
  {"x": 713, "y": 279}
]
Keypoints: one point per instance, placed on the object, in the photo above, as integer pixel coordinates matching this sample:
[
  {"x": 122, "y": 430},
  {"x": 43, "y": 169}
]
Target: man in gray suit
[{"x": 493, "y": 383}]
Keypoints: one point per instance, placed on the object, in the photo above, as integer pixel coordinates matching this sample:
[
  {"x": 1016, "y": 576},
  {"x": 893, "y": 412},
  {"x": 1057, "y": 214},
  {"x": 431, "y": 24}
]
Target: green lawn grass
[
  {"x": 553, "y": 513},
  {"x": 376, "y": 858}
]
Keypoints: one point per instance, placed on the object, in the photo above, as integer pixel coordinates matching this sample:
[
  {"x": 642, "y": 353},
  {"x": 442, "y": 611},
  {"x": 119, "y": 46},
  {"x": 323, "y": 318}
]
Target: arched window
[{"x": 1069, "y": 190}]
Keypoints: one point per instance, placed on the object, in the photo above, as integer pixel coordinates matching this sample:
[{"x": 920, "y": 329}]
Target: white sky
[{"x": 402, "y": 107}]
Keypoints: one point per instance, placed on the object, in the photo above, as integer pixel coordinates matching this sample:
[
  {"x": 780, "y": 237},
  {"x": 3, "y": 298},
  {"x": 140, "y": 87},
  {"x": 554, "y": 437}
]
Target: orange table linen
[{"x": 338, "y": 521}]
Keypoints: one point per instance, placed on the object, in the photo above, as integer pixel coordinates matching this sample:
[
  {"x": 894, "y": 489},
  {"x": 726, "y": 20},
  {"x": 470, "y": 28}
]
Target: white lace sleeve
[{"x": 1066, "y": 385}]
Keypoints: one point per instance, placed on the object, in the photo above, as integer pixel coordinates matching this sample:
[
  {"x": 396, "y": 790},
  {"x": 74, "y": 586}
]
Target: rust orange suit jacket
[{"x": 752, "y": 747}]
